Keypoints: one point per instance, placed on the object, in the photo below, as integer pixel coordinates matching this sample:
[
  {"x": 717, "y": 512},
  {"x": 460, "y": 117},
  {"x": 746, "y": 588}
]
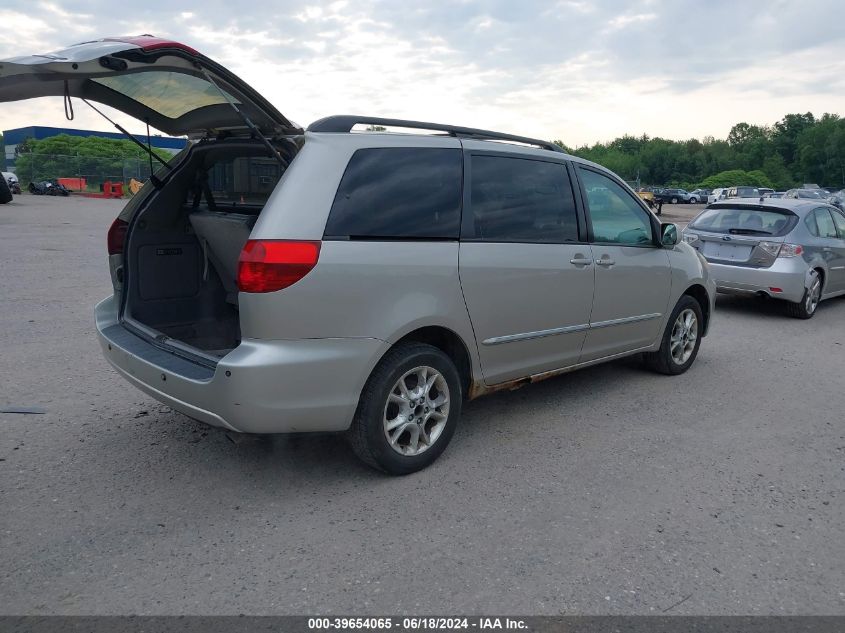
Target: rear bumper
[
  {"x": 259, "y": 387},
  {"x": 790, "y": 274}
]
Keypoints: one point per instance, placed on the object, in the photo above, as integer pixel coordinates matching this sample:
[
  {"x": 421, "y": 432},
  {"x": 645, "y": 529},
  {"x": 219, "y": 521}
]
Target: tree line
[
  {"x": 95, "y": 158},
  {"x": 799, "y": 148}
]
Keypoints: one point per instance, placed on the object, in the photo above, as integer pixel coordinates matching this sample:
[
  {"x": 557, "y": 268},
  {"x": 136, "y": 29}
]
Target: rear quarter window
[{"x": 396, "y": 193}]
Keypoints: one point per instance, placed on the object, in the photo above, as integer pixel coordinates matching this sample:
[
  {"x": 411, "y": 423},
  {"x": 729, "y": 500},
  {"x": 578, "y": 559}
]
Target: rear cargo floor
[{"x": 196, "y": 335}]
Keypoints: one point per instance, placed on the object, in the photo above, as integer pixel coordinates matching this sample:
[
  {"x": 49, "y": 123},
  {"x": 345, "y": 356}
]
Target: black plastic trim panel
[{"x": 149, "y": 353}]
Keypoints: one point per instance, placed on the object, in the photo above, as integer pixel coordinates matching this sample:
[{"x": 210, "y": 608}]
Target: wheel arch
[
  {"x": 450, "y": 343},
  {"x": 822, "y": 274},
  {"x": 699, "y": 293}
]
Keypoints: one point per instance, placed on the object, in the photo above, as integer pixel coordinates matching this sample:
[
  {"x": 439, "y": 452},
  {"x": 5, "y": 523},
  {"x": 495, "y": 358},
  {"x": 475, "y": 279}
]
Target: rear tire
[
  {"x": 806, "y": 308},
  {"x": 5, "y": 192},
  {"x": 402, "y": 424},
  {"x": 674, "y": 201},
  {"x": 681, "y": 339}
]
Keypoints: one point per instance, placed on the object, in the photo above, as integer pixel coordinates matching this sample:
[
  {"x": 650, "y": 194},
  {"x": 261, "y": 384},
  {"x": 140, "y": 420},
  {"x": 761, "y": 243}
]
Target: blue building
[{"x": 12, "y": 138}]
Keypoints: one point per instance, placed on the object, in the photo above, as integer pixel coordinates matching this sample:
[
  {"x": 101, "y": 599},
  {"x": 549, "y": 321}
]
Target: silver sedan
[{"x": 790, "y": 249}]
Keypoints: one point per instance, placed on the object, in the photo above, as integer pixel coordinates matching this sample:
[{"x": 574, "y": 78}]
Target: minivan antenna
[{"x": 252, "y": 127}]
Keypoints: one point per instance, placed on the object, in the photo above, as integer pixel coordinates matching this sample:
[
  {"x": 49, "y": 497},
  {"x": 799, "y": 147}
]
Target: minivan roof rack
[{"x": 345, "y": 122}]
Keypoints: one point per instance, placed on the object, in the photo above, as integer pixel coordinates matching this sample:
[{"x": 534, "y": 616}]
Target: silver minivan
[{"x": 273, "y": 279}]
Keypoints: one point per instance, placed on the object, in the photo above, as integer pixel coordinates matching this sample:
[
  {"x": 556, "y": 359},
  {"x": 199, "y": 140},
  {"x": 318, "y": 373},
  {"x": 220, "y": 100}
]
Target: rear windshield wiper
[{"x": 749, "y": 232}]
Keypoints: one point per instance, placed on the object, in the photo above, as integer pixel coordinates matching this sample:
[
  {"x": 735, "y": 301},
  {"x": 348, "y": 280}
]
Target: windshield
[
  {"x": 745, "y": 221},
  {"x": 806, "y": 193}
]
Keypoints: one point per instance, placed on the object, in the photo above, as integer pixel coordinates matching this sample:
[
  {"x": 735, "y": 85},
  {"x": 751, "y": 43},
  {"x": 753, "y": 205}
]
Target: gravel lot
[{"x": 610, "y": 490}]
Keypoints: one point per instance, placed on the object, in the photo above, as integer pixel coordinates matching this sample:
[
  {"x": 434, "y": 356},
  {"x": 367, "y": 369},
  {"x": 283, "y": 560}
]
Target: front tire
[
  {"x": 674, "y": 201},
  {"x": 806, "y": 308},
  {"x": 681, "y": 339},
  {"x": 408, "y": 410}
]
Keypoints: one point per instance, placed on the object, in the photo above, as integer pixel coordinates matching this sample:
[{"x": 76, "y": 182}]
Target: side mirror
[{"x": 669, "y": 234}]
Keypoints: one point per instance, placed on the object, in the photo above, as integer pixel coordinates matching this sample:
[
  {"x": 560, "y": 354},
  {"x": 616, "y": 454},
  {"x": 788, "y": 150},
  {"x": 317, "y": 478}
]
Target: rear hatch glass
[
  {"x": 741, "y": 235},
  {"x": 745, "y": 221},
  {"x": 168, "y": 85}
]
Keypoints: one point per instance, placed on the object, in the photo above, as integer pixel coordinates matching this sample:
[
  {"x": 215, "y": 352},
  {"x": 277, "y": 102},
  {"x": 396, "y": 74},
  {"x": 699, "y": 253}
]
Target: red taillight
[
  {"x": 270, "y": 265},
  {"x": 116, "y": 236}
]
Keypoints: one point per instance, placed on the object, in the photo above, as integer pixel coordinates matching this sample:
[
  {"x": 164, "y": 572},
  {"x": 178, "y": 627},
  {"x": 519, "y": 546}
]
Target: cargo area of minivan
[{"x": 182, "y": 248}]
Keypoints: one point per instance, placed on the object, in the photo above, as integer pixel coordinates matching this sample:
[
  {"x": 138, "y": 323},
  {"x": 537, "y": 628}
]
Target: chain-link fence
[{"x": 79, "y": 173}]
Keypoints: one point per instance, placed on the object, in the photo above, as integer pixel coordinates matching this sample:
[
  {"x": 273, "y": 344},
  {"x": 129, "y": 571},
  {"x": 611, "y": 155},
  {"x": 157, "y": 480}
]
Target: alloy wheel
[
  {"x": 813, "y": 296},
  {"x": 416, "y": 411},
  {"x": 684, "y": 336}
]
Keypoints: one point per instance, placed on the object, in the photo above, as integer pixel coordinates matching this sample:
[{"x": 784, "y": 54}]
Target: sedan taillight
[
  {"x": 776, "y": 249},
  {"x": 790, "y": 250},
  {"x": 270, "y": 265}
]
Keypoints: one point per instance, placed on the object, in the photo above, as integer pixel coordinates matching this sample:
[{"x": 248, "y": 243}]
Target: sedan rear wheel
[{"x": 806, "y": 308}]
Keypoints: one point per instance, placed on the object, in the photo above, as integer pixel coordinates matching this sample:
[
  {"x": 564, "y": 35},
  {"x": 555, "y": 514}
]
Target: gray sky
[{"x": 581, "y": 71}]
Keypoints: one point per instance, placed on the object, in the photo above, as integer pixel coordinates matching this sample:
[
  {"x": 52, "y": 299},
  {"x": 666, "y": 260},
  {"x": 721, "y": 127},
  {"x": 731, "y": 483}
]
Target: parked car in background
[
  {"x": 743, "y": 192},
  {"x": 764, "y": 191},
  {"x": 775, "y": 194},
  {"x": 837, "y": 199},
  {"x": 11, "y": 179},
  {"x": 720, "y": 193},
  {"x": 377, "y": 289},
  {"x": 789, "y": 249},
  {"x": 806, "y": 194},
  {"x": 672, "y": 196},
  {"x": 699, "y": 195}
]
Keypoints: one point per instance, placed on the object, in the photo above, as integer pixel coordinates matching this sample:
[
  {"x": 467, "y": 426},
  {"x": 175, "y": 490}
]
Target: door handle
[
  {"x": 580, "y": 261},
  {"x": 605, "y": 261}
]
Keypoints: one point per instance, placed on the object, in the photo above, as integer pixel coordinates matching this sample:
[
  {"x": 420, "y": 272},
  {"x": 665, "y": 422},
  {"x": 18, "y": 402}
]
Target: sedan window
[
  {"x": 839, "y": 221},
  {"x": 825, "y": 223}
]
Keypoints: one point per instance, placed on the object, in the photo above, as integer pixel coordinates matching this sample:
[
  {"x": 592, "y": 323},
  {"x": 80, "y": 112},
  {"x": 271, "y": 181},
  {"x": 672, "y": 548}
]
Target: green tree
[
  {"x": 95, "y": 158},
  {"x": 735, "y": 177},
  {"x": 786, "y": 132},
  {"x": 798, "y": 148}
]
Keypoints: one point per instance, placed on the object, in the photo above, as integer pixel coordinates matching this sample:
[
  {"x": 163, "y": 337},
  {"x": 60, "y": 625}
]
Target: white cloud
[{"x": 622, "y": 21}]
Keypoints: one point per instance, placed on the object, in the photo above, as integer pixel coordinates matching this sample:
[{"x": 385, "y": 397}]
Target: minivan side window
[
  {"x": 521, "y": 200},
  {"x": 615, "y": 216},
  {"x": 399, "y": 192}
]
